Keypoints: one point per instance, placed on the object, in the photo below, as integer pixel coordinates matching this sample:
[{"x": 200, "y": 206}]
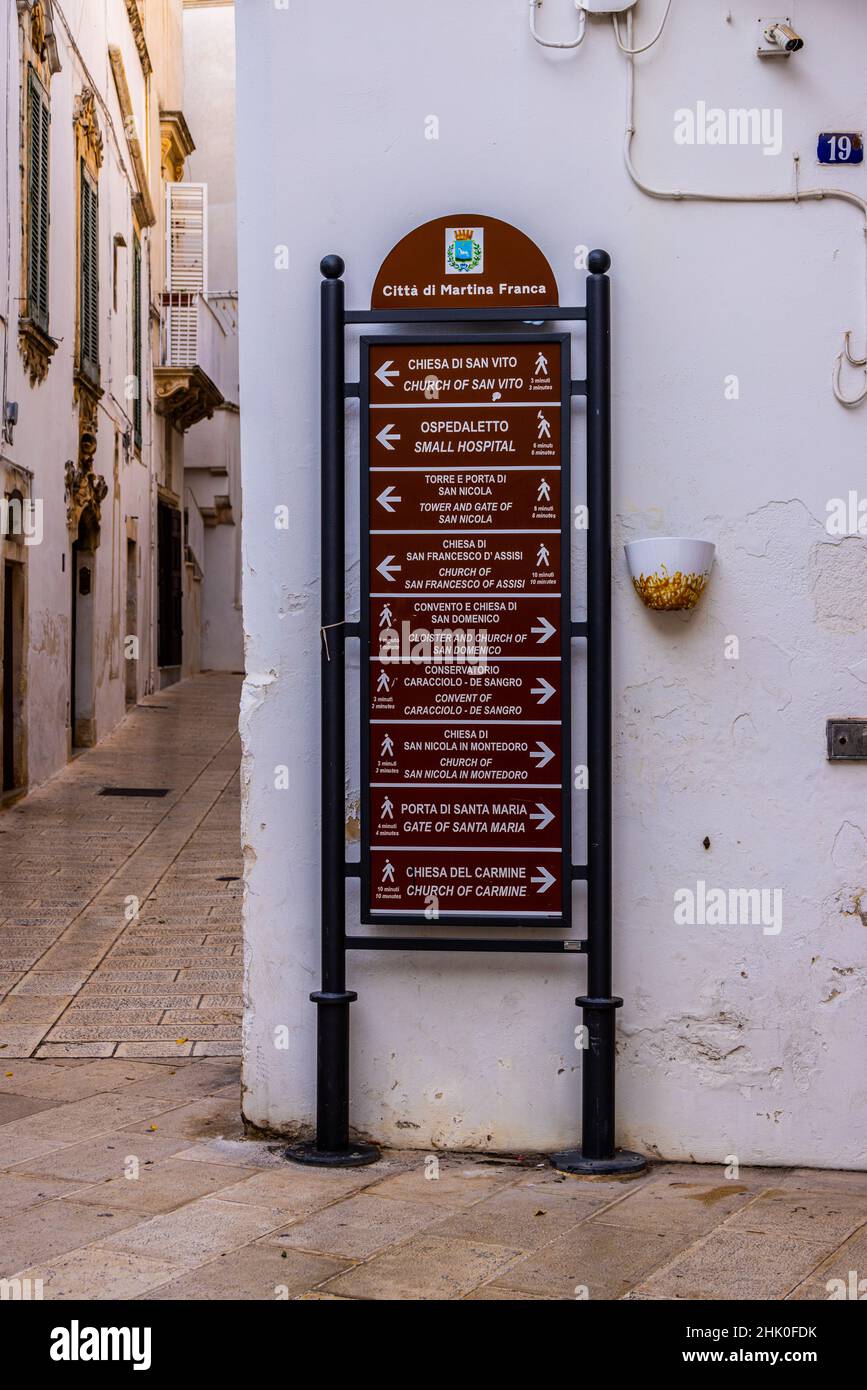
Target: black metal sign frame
[
  {"x": 369, "y": 916},
  {"x": 332, "y": 1146}
]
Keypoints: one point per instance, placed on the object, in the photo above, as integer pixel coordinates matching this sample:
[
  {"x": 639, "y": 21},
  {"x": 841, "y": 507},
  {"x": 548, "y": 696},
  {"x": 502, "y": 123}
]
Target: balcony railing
[{"x": 197, "y": 350}]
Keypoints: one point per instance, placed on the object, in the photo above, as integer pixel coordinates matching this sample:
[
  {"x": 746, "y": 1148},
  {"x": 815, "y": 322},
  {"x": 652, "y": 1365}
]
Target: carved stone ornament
[
  {"x": 176, "y": 145},
  {"x": 134, "y": 9},
  {"x": 87, "y": 132},
  {"x": 37, "y": 28},
  {"x": 40, "y": 40},
  {"x": 84, "y": 489},
  {"x": 185, "y": 395},
  {"x": 37, "y": 349},
  {"x": 87, "y": 397}
]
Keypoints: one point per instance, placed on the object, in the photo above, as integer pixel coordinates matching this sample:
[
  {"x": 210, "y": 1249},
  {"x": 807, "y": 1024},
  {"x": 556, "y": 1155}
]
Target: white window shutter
[{"x": 186, "y": 267}]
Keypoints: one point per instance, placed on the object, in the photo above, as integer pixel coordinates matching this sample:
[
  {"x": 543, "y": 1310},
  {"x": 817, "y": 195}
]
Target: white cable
[
  {"x": 798, "y": 195},
  {"x": 582, "y": 26},
  {"x": 631, "y": 52}
]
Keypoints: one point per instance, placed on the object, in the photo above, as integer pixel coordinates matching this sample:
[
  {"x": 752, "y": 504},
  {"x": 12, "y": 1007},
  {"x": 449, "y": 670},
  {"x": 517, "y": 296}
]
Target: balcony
[{"x": 197, "y": 350}]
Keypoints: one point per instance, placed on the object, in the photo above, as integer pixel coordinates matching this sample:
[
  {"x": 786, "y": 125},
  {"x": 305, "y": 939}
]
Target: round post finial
[
  {"x": 332, "y": 267},
  {"x": 598, "y": 262}
]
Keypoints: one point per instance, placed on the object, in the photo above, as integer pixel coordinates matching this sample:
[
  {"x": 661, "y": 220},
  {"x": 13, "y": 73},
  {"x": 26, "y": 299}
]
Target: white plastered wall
[{"x": 731, "y": 1041}]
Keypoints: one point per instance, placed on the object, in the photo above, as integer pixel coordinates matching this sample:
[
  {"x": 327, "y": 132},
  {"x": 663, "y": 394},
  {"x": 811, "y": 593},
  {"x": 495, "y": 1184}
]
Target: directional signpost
[{"x": 466, "y": 636}]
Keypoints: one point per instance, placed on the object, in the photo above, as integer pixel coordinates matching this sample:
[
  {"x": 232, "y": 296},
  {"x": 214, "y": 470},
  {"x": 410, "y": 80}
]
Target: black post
[
  {"x": 597, "y": 1153},
  {"x": 332, "y": 1147}
]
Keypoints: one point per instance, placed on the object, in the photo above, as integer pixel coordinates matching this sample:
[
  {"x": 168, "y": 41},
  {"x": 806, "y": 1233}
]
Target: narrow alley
[{"x": 120, "y": 890}]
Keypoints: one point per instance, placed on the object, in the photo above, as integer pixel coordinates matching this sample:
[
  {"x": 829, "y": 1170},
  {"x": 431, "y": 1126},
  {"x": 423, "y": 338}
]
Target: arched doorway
[{"x": 82, "y": 685}]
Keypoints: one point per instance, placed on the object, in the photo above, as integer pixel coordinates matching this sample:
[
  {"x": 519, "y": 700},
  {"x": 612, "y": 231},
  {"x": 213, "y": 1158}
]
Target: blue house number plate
[{"x": 840, "y": 147}]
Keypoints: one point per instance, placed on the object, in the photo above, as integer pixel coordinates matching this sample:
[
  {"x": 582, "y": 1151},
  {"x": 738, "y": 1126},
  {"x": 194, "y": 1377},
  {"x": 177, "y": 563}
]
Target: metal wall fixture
[
  {"x": 846, "y": 740},
  {"x": 777, "y": 39}
]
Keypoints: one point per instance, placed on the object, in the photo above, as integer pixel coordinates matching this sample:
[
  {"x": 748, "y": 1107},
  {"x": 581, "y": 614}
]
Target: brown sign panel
[
  {"x": 476, "y": 562},
  {"x": 496, "y": 374},
  {"x": 455, "y": 683},
  {"x": 444, "y": 815},
  {"x": 466, "y": 260},
  {"x": 514, "y": 625},
  {"x": 487, "y": 497},
  {"x": 471, "y": 753},
  {"x": 440, "y": 883},
  {"x": 461, "y": 439},
  {"x": 466, "y": 630}
]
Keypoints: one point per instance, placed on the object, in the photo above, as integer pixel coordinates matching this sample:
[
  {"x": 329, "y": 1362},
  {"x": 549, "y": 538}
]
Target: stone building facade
[{"x": 106, "y": 366}]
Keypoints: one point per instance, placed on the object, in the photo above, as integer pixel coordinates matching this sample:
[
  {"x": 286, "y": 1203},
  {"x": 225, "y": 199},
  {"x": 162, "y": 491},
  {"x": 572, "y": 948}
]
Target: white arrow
[
  {"x": 383, "y": 373},
  {"x": 544, "y": 754},
  {"x": 543, "y": 816},
  {"x": 545, "y": 631},
  {"x": 545, "y": 878},
  {"x": 386, "y": 439},
  {"x": 387, "y": 496},
  {"x": 385, "y": 569},
  {"x": 544, "y": 690}
]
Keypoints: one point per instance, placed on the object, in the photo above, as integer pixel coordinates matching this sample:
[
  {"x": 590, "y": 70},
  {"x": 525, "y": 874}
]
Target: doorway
[
  {"x": 82, "y": 697},
  {"x": 130, "y": 645},
  {"x": 13, "y": 656},
  {"x": 170, "y": 591}
]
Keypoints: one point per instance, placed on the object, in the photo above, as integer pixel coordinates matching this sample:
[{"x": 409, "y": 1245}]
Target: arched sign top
[{"x": 465, "y": 260}]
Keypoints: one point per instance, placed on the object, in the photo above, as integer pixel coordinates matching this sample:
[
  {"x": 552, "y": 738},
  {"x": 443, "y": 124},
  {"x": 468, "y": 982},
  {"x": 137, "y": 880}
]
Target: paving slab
[
  {"x": 816, "y": 1216},
  {"x": 359, "y": 1226},
  {"x": 54, "y": 1228},
  {"x": 667, "y": 1204},
  {"x": 428, "y": 1267},
  {"x": 14, "y": 1107},
  {"x": 159, "y": 1187},
  {"x": 207, "y": 1226},
  {"x": 842, "y": 1276},
  {"x": 97, "y": 1273},
  {"x": 208, "y": 1118},
  {"x": 299, "y": 1191},
  {"x": 592, "y": 1261},
  {"x": 736, "y": 1264},
  {"x": 256, "y": 1272},
  {"x": 18, "y": 1191},
  {"x": 105, "y": 1156},
  {"x": 822, "y": 1180},
  {"x": 81, "y": 1119},
  {"x": 446, "y": 1186},
  {"x": 529, "y": 1219}
]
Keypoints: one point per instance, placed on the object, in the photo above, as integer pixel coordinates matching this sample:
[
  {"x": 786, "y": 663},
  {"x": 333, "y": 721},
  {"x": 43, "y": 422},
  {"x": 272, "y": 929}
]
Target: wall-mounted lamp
[{"x": 10, "y": 420}]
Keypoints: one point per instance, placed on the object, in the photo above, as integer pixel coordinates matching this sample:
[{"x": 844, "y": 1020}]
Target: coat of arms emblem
[{"x": 465, "y": 250}]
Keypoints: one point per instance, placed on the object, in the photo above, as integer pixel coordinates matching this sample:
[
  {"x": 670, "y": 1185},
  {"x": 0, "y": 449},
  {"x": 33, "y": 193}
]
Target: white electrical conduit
[
  {"x": 796, "y": 196},
  {"x": 632, "y": 51},
  {"x": 582, "y": 26}
]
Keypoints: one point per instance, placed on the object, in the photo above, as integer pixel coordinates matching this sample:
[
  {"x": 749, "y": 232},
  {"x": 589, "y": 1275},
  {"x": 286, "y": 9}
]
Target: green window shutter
[
  {"x": 89, "y": 293},
  {"x": 136, "y": 339},
  {"x": 38, "y": 203}
]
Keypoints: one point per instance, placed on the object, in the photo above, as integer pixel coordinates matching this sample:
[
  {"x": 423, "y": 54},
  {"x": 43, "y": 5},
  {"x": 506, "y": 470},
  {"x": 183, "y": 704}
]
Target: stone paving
[
  {"x": 120, "y": 918},
  {"x": 130, "y": 1179},
  {"x": 125, "y": 1171}
]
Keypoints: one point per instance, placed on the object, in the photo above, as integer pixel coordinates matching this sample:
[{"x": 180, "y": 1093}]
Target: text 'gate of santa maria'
[{"x": 466, "y": 636}]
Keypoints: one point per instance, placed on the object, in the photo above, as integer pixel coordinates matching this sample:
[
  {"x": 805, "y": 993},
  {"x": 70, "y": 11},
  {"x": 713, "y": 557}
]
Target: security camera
[
  {"x": 784, "y": 36},
  {"x": 777, "y": 38}
]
